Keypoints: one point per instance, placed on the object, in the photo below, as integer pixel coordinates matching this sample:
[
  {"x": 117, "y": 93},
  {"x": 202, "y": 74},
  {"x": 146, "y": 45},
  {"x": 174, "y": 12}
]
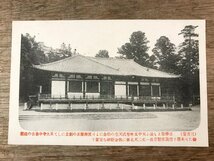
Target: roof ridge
[
  {"x": 111, "y": 58},
  {"x": 155, "y": 69},
  {"x": 54, "y": 62},
  {"x": 100, "y": 63}
]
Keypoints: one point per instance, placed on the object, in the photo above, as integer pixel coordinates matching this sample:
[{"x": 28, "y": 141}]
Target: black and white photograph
[{"x": 110, "y": 75}]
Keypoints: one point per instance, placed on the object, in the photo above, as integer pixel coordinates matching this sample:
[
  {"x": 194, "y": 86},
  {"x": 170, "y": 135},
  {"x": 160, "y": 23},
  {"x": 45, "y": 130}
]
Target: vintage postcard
[{"x": 109, "y": 83}]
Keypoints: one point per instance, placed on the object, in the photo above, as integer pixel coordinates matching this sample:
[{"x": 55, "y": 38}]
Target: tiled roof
[{"x": 103, "y": 66}]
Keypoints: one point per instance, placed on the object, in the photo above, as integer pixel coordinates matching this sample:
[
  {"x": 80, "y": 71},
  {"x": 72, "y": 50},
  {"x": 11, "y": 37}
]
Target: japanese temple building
[{"x": 106, "y": 78}]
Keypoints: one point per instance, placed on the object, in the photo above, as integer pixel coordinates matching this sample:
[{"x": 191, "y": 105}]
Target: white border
[{"x": 14, "y": 127}]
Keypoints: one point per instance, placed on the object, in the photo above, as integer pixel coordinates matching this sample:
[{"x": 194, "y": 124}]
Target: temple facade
[{"x": 81, "y": 77}]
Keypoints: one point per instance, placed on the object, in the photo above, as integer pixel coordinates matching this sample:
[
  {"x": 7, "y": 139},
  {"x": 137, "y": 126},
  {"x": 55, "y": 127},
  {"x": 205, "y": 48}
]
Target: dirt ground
[{"x": 110, "y": 121}]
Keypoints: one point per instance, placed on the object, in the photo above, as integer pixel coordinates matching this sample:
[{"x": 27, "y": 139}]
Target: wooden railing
[{"x": 105, "y": 97}]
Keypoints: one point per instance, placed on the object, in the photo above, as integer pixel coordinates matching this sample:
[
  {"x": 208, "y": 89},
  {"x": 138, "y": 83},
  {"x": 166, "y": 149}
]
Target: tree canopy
[
  {"x": 137, "y": 49},
  {"x": 189, "y": 52},
  {"x": 189, "y": 62},
  {"x": 34, "y": 53},
  {"x": 102, "y": 54},
  {"x": 165, "y": 54}
]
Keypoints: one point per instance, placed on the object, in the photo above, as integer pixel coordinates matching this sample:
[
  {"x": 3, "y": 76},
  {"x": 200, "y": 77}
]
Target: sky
[{"x": 90, "y": 36}]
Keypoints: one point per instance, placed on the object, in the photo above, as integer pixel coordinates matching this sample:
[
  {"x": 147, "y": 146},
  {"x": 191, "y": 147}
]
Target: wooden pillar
[
  {"x": 144, "y": 106},
  {"x": 100, "y": 84},
  {"x": 103, "y": 107},
  {"x": 41, "y": 108},
  {"x": 113, "y": 87},
  {"x": 159, "y": 90},
  {"x": 25, "y": 106},
  {"x": 151, "y": 89},
  {"x": 133, "y": 107},
  {"x": 127, "y": 90},
  {"x": 70, "y": 105},
  {"x": 66, "y": 86},
  {"x": 83, "y": 90},
  {"x": 154, "y": 106},
  {"x": 173, "y": 106},
  {"x": 86, "y": 105},
  {"x": 138, "y": 89},
  {"x": 50, "y": 105},
  {"x": 113, "y": 84},
  {"x": 56, "y": 107},
  {"x": 118, "y": 105}
]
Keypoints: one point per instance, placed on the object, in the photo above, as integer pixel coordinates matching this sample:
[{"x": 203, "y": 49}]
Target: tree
[
  {"x": 189, "y": 63},
  {"x": 69, "y": 53},
  {"x": 137, "y": 49},
  {"x": 31, "y": 54},
  {"x": 65, "y": 51},
  {"x": 166, "y": 57},
  {"x": 102, "y": 54},
  {"x": 34, "y": 53},
  {"x": 58, "y": 54}
]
